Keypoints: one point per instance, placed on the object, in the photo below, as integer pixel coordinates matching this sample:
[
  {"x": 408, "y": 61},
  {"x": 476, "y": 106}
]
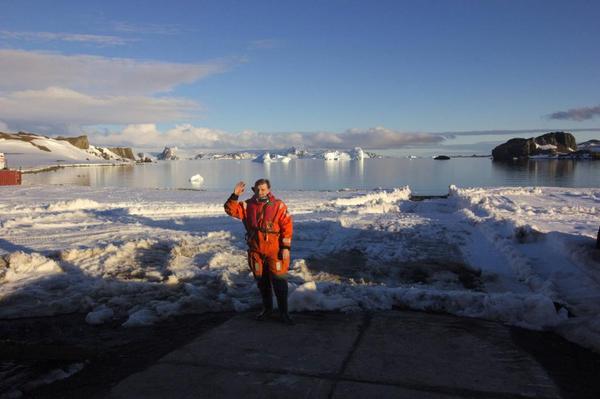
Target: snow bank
[
  {"x": 522, "y": 256},
  {"x": 100, "y": 315},
  {"x": 72, "y": 205},
  {"x": 528, "y": 311},
  {"x": 53, "y": 375},
  {"x": 375, "y": 202},
  {"x": 21, "y": 267}
]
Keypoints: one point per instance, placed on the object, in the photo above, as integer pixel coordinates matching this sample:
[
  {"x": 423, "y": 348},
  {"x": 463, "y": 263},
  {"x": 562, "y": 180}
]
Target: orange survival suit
[{"x": 268, "y": 231}]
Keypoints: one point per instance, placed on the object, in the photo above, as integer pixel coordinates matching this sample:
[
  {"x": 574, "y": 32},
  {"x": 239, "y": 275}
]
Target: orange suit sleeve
[
  {"x": 286, "y": 227},
  {"x": 235, "y": 208}
]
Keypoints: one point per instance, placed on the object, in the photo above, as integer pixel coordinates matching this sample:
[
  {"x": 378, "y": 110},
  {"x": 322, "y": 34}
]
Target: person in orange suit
[{"x": 269, "y": 228}]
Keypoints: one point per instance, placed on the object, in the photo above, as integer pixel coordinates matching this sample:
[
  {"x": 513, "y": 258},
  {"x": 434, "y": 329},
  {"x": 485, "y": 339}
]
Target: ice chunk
[
  {"x": 197, "y": 180},
  {"x": 142, "y": 317},
  {"x": 100, "y": 315}
]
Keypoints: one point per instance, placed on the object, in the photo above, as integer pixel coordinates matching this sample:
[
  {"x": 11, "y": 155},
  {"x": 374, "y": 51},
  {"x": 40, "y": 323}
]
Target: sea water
[{"x": 425, "y": 176}]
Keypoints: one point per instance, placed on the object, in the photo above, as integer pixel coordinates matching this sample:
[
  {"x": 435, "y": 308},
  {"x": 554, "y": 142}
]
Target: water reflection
[
  {"x": 542, "y": 172},
  {"x": 359, "y": 171},
  {"x": 335, "y": 169}
]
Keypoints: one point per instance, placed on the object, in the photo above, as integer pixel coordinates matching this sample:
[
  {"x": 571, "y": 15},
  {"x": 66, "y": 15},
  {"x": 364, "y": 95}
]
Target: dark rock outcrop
[
  {"x": 123, "y": 152},
  {"x": 144, "y": 157},
  {"x": 554, "y": 143},
  {"x": 442, "y": 158},
  {"x": 564, "y": 142},
  {"x": 79, "y": 142},
  {"x": 513, "y": 148},
  {"x": 168, "y": 154}
]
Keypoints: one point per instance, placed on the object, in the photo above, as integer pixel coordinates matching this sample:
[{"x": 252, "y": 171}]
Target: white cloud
[
  {"x": 186, "y": 135},
  {"x": 45, "y": 91},
  {"x": 31, "y": 70},
  {"x": 146, "y": 135},
  {"x": 58, "y": 106},
  {"x": 382, "y": 138},
  {"x": 101, "y": 40}
]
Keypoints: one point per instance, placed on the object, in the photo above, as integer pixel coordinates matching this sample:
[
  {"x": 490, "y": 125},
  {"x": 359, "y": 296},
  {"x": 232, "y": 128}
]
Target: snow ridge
[{"x": 522, "y": 256}]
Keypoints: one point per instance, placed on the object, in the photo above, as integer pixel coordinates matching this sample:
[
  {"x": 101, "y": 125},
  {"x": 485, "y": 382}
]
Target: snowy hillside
[
  {"x": 590, "y": 145},
  {"x": 525, "y": 257},
  {"x": 31, "y": 151}
]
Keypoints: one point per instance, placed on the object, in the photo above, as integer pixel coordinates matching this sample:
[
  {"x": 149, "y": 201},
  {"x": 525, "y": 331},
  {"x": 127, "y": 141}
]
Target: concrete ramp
[{"x": 387, "y": 354}]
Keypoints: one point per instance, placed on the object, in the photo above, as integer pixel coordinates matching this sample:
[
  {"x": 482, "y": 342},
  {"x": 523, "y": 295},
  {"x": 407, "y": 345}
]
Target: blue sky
[{"x": 183, "y": 71}]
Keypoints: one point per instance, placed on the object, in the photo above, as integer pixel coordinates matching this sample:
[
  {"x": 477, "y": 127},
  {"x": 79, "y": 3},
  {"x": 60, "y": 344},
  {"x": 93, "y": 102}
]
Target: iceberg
[
  {"x": 357, "y": 154},
  {"x": 264, "y": 158},
  {"x": 196, "y": 180},
  {"x": 267, "y": 158},
  {"x": 336, "y": 156}
]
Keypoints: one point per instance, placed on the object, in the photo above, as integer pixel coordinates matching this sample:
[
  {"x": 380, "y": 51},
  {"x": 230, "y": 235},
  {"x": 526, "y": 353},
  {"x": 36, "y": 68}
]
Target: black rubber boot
[
  {"x": 280, "y": 286},
  {"x": 264, "y": 286}
]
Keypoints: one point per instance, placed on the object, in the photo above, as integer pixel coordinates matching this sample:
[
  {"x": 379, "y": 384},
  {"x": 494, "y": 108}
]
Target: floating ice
[{"x": 196, "y": 180}]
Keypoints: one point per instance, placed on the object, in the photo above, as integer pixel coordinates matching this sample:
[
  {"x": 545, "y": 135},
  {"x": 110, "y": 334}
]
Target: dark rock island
[{"x": 549, "y": 145}]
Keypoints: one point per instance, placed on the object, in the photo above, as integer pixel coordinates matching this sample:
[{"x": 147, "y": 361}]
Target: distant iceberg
[
  {"x": 263, "y": 158},
  {"x": 357, "y": 154},
  {"x": 336, "y": 156},
  {"x": 197, "y": 180},
  {"x": 267, "y": 158}
]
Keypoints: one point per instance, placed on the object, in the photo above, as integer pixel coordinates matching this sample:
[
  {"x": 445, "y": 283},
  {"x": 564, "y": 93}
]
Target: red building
[{"x": 10, "y": 177}]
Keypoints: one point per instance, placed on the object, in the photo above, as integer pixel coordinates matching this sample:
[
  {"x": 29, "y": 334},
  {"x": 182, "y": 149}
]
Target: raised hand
[{"x": 239, "y": 188}]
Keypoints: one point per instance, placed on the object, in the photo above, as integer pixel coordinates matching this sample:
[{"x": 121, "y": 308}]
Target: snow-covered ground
[{"x": 523, "y": 256}]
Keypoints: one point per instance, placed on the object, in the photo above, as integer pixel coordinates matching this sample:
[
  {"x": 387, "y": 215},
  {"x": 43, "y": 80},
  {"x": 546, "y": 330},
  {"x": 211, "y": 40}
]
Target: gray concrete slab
[
  {"x": 317, "y": 344},
  {"x": 351, "y": 390},
  {"x": 446, "y": 353},
  {"x": 186, "y": 381},
  {"x": 396, "y": 354}
]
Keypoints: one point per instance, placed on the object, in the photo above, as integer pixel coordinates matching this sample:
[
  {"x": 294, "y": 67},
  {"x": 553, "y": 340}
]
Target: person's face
[{"x": 262, "y": 190}]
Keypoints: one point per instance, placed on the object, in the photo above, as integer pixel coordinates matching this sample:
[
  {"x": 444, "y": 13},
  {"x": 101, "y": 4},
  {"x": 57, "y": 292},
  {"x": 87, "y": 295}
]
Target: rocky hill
[
  {"x": 79, "y": 142},
  {"x": 168, "y": 154},
  {"x": 123, "y": 152},
  {"x": 552, "y": 144}
]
